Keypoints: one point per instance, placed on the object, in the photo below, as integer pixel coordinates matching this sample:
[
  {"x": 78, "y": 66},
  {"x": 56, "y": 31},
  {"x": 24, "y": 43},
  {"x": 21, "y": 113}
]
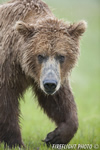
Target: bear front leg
[
  {"x": 9, "y": 113},
  {"x": 61, "y": 108}
]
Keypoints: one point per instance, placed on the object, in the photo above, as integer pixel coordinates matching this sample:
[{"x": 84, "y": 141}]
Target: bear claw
[{"x": 52, "y": 139}]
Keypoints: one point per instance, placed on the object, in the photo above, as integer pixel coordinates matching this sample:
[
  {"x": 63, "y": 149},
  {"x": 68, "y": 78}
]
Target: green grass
[{"x": 85, "y": 81}]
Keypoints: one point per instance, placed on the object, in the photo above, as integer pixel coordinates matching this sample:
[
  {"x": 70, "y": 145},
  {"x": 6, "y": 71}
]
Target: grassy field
[{"x": 85, "y": 81}]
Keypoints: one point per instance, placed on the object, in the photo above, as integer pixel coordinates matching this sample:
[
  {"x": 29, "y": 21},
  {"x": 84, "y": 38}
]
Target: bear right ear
[{"x": 24, "y": 29}]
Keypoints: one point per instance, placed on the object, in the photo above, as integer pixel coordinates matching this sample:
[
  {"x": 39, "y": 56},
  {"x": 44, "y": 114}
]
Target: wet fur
[{"x": 19, "y": 46}]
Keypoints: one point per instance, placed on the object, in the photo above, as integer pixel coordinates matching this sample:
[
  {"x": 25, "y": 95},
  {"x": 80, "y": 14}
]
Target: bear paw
[{"x": 53, "y": 138}]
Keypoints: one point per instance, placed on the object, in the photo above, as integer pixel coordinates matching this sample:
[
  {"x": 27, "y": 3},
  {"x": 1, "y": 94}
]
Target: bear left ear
[
  {"x": 77, "y": 29},
  {"x": 24, "y": 29}
]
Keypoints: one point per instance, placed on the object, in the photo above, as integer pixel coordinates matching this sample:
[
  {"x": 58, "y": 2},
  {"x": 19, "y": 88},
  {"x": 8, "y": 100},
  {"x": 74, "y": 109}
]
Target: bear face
[{"x": 50, "y": 51}]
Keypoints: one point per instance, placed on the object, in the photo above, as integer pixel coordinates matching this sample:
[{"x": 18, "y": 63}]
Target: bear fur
[{"x": 27, "y": 29}]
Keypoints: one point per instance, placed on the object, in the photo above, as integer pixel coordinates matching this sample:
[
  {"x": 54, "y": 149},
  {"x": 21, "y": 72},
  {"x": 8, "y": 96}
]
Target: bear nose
[{"x": 50, "y": 86}]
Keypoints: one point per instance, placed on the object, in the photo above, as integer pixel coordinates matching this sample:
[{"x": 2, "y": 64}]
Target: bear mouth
[{"x": 50, "y": 92}]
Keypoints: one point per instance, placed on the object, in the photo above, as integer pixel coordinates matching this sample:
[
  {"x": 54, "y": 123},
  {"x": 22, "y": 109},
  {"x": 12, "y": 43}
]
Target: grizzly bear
[{"x": 37, "y": 50}]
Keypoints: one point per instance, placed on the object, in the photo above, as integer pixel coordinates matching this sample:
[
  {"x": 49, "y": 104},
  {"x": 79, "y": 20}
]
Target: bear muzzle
[{"x": 50, "y": 76}]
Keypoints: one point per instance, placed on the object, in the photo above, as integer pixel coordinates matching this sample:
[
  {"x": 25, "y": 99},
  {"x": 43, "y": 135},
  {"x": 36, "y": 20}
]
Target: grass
[{"x": 85, "y": 81}]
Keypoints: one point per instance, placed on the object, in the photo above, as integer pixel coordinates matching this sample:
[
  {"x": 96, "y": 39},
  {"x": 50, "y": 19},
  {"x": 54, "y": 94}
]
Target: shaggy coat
[{"x": 27, "y": 29}]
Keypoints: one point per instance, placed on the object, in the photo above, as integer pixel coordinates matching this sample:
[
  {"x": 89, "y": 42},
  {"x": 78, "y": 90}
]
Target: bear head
[{"x": 50, "y": 51}]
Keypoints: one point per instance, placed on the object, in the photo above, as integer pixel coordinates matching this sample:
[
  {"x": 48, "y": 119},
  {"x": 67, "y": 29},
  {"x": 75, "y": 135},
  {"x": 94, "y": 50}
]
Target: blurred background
[{"x": 85, "y": 79}]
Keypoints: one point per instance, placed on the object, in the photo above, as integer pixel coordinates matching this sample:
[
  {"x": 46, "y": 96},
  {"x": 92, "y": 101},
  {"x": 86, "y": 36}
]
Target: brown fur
[{"x": 27, "y": 29}]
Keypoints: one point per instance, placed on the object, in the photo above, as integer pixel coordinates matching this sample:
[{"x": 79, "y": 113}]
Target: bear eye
[
  {"x": 61, "y": 58},
  {"x": 41, "y": 58}
]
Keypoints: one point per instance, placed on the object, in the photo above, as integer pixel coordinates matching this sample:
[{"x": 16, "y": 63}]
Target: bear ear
[
  {"x": 77, "y": 29},
  {"x": 24, "y": 29}
]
